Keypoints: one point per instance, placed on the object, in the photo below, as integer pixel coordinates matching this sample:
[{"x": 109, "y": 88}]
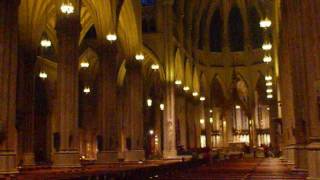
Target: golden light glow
[
  {"x": 202, "y": 121},
  {"x": 67, "y": 8},
  {"x": 149, "y": 102},
  {"x": 268, "y": 78},
  {"x": 265, "y": 23},
  {"x": 238, "y": 107},
  {"x": 267, "y": 46},
  {"x": 87, "y": 90},
  {"x": 111, "y": 37},
  {"x": 84, "y": 64},
  {"x": 46, "y": 43},
  {"x": 211, "y": 120},
  {"x": 195, "y": 94},
  {"x": 178, "y": 82},
  {"x": 269, "y": 96},
  {"x": 202, "y": 98},
  {"x": 211, "y": 111},
  {"x": 267, "y": 59},
  {"x": 140, "y": 57},
  {"x": 162, "y": 107},
  {"x": 186, "y": 88},
  {"x": 151, "y": 132},
  {"x": 268, "y": 84},
  {"x": 43, "y": 75},
  {"x": 155, "y": 66},
  {"x": 269, "y": 91}
]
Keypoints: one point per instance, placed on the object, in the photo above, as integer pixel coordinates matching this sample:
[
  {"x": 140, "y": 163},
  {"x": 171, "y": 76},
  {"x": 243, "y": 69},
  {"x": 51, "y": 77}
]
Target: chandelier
[
  {"x": 267, "y": 46},
  {"x": 267, "y": 59},
  {"x": 67, "y": 8},
  {"x": 111, "y": 37},
  {"x": 45, "y": 43},
  {"x": 140, "y": 57},
  {"x": 265, "y": 23}
]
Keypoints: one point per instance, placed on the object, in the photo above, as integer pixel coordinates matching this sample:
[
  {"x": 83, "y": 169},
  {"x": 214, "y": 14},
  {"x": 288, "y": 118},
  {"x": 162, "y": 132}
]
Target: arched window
[
  {"x": 255, "y": 30},
  {"x": 148, "y": 2},
  {"x": 235, "y": 23},
  {"x": 216, "y": 31},
  {"x": 202, "y": 30}
]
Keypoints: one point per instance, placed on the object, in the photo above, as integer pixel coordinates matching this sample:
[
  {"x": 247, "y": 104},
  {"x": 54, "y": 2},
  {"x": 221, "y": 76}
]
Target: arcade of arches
[{"x": 130, "y": 80}]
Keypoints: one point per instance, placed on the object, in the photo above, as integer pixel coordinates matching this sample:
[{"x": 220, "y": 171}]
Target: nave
[
  {"x": 253, "y": 169},
  {"x": 232, "y": 169}
]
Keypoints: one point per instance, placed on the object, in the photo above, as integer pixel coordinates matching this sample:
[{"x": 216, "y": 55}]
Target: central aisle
[{"x": 258, "y": 169}]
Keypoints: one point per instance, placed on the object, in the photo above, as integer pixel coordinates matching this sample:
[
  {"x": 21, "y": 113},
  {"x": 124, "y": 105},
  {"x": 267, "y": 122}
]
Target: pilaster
[
  {"x": 8, "y": 76},
  {"x": 169, "y": 130},
  {"x": 108, "y": 104},
  {"x": 68, "y": 32}
]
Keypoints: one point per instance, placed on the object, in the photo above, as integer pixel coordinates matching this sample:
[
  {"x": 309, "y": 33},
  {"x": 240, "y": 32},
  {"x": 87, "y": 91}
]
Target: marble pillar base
[
  {"x": 133, "y": 155},
  {"x": 8, "y": 163},
  {"x": 298, "y": 157},
  {"x": 290, "y": 153},
  {"x": 314, "y": 161},
  {"x": 170, "y": 154},
  {"x": 107, "y": 157},
  {"x": 28, "y": 159},
  {"x": 66, "y": 159}
]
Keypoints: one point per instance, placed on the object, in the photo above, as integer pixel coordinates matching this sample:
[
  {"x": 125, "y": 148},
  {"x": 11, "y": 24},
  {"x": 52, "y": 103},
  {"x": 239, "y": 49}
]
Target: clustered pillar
[
  {"x": 68, "y": 33},
  {"x": 8, "y": 76}
]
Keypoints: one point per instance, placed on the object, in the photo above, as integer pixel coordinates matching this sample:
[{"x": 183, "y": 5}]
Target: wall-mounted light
[
  {"x": 155, "y": 66},
  {"x": 268, "y": 84},
  {"x": 151, "y": 132},
  {"x": 195, "y": 94},
  {"x": 186, "y": 88},
  {"x": 211, "y": 111},
  {"x": 111, "y": 37},
  {"x": 268, "y": 78},
  {"x": 43, "y": 75},
  {"x": 267, "y": 59},
  {"x": 86, "y": 90},
  {"x": 162, "y": 107},
  {"x": 269, "y": 96},
  {"x": 46, "y": 43},
  {"x": 140, "y": 57},
  {"x": 84, "y": 64},
  {"x": 202, "y": 98},
  {"x": 67, "y": 8},
  {"x": 267, "y": 46},
  {"x": 268, "y": 109},
  {"x": 211, "y": 120},
  {"x": 269, "y": 91},
  {"x": 238, "y": 107},
  {"x": 265, "y": 23},
  {"x": 149, "y": 102},
  {"x": 202, "y": 121},
  {"x": 178, "y": 82}
]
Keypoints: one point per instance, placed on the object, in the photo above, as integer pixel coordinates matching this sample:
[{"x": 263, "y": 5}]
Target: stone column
[
  {"x": 108, "y": 104},
  {"x": 26, "y": 102},
  {"x": 310, "y": 26},
  {"x": 134, "y": 110},
  {"x": 207, "y": 116},
  {"x": 68, "y": 31},
  {"x": 181, "y": 116},
  {"x": 8, "y": 76},
  {"x": 190, "y": 117},
  {"x": 169, "y": 130},
  {"x": 300, "y": 67}
]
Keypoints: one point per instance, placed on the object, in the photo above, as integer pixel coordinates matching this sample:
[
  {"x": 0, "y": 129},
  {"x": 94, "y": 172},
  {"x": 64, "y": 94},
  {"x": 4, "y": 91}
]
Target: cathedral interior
[{"x": 136, "y": 89}]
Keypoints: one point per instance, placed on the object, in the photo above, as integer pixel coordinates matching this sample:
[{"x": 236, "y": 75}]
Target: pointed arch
[
  {"x": 236, "y": 29},
  {"x": 256, "y": 37},
  {"x": 216, "y": 31}
]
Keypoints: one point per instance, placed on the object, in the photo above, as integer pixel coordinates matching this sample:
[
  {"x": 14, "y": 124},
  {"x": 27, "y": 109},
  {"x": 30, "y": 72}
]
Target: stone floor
[
  {"x": 248, "y": 169},
  {"x": 259, "y": 169}
]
